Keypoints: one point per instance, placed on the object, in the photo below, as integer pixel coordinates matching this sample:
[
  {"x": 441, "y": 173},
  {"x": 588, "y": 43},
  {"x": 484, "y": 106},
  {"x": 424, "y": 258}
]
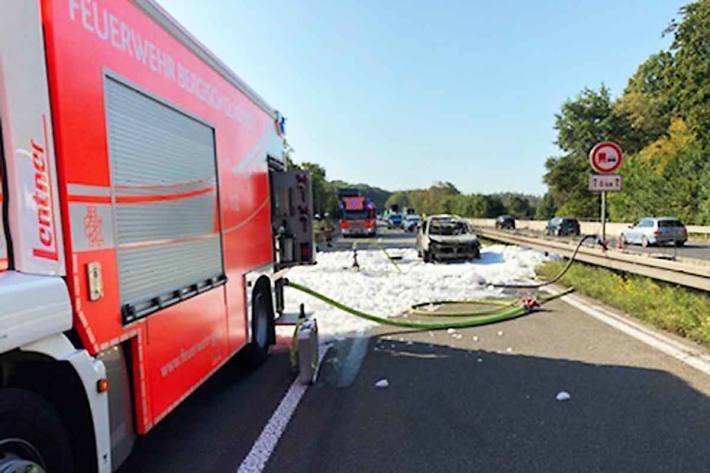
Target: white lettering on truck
[{"x": 99, "y": 21}]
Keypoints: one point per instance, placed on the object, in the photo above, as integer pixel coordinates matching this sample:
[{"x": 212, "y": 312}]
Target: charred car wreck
[{"x": 446, "y": 238}]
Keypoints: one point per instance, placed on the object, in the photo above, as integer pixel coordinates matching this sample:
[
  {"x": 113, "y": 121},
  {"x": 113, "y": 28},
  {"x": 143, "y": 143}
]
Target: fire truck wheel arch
[
  {"x": 31, "y": 432},
  {"x": 74, "y": 375}
]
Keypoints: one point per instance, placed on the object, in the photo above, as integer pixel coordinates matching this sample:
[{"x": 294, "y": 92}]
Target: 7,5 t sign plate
[{"x": 604, "y": 182}]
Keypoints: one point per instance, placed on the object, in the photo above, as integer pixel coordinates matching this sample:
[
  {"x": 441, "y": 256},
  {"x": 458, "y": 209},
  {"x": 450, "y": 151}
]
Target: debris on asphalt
[
  {"x": 383, "y": 383},
  {"x": 563, "y": 396},
  {"x": 480, "y": 360},
  {"x": 409, "y": 342}
]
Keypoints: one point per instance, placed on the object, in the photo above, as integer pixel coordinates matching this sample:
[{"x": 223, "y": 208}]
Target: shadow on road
[
  {"x": 490, "y": 258},
  {"x": 445, "y": 410},
  {"x": 216, "y": 426}
]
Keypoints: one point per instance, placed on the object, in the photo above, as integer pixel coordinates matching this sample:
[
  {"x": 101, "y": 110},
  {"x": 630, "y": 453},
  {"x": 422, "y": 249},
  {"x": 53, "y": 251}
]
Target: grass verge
[
  {"x": 680, "y": 310},
  {"x": 486, "y": 242}
]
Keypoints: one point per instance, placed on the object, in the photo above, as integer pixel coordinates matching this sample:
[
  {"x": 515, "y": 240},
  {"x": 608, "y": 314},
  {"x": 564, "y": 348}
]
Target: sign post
[
  {"x": 605, "y": 158},
  {"x": 604, "y": 216}
]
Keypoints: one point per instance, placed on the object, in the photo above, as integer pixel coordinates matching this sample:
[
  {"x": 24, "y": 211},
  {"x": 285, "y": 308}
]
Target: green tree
[
  {"x": 288, "y": 156},
  {"x": 588, "y": 119},
  {"x": 691, "y": 67},
  {"x": 518, "y": 206},
  {"x": 581, "y": 123},
  {"x": 643, "y": 189},
  {"x": 545, "y": 208},
  {"x": 400, "y": 198},
  {"x": 318, "y": 185},
  {"x": 646, "y": 103}
]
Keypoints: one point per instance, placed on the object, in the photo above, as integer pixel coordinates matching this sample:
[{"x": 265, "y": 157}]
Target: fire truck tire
[
  {"x": 31, "y": 434},
  {"x": 262, "y": 321}
]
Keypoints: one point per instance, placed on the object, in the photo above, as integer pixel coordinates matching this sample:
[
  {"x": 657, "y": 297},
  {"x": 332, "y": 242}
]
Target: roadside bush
[{"x": 677, "y": 309}]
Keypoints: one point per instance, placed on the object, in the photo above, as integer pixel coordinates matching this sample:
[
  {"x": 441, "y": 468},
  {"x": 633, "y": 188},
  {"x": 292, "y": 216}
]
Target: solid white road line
[
  {"x": 261, "y": 451},
  {"x": 682, "y": 352}
]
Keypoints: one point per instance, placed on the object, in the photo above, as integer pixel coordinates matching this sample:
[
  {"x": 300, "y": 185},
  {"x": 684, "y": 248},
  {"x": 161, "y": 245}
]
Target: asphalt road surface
[
  {"x": 482, "y": 401},
  {"x": 489, "y": 404},
  {"x": 387, "y": 238},
  {"x": 692, "y": 249}
]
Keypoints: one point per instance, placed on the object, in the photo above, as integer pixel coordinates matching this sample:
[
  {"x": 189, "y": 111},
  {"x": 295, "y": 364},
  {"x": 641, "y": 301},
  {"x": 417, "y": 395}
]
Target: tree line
[
  {"x": 661, "y": 120},
  {"x": 444, "y": 197}
]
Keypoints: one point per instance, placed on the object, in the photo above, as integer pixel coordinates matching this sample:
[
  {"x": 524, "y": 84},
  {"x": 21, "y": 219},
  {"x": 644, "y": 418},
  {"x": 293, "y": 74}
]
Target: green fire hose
[
  {"x": 561, "y": 273},
  {"x": 381, "y": 247},
  {"x": 426, "y": 308},
  {"x": 494, "y": 310},
  {"x": 509, "y": 310}
]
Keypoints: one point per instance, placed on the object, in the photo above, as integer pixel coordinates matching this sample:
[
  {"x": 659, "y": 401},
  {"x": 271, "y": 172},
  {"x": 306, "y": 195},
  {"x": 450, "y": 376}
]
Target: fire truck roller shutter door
[{"x": 164, "y": 180}]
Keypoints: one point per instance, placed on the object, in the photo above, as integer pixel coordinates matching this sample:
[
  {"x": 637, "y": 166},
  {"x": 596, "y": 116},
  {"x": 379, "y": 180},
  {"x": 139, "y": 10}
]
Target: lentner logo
[{"x": 42, "y": 198}]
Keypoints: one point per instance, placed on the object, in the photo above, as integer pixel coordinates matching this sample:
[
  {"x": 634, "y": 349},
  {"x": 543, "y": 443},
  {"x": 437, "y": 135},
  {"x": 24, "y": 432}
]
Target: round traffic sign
[{"x": 606, "y": 157}]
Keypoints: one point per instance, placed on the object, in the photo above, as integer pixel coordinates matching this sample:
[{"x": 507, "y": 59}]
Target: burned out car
[{"x": 445, "y": 238}]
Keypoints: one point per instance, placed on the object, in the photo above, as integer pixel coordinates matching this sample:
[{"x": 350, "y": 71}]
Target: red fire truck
[
  {"x": 357, "y": 214},
  {"x": 146, "y": 213}
]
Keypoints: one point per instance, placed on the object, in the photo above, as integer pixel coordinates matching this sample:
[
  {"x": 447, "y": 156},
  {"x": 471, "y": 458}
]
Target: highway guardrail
[
  {"x": 612, "y": 228},
  {"x": 694, "y": 274}
]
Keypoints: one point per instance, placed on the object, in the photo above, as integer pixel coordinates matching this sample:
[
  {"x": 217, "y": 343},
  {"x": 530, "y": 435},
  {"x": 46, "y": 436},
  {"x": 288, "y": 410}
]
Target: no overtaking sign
[{"x": 606, "y": 157}]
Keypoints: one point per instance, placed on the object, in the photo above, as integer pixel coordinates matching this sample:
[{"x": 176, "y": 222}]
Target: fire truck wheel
[
  {"x": 258, "y": 349},
  {"x": 32, "y": 437}
]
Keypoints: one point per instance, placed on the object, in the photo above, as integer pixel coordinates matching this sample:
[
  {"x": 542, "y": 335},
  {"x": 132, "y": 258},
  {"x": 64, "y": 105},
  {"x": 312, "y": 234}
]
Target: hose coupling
[{"x": 530, "y": 303}]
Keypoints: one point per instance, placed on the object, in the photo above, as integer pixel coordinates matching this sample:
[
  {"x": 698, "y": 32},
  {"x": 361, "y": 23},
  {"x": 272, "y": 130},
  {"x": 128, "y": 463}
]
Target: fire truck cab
[
  {"x": 146, "y": 216},
  {"x": 357, "y": 214}
]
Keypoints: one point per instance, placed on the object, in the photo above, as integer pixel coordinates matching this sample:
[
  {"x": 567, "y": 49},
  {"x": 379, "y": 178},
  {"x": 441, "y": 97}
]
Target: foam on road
[{"x": 378, "y": 288}]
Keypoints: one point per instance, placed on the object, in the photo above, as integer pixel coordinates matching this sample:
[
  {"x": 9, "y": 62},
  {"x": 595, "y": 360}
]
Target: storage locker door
[{"x": 164, "y": 182}]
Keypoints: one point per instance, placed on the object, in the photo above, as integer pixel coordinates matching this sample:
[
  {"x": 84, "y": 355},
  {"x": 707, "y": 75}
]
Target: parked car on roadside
[
  {"x": 655, "y": 231},
  {"x": 505, "y": 222},
  {"x": 562, "y": 226},
  {"x": 411, "y": 222},
  {"x": 447, "y": 237}
]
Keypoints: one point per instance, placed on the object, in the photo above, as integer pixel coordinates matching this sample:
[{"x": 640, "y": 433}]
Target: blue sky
[{"x": 402, "y": 94}]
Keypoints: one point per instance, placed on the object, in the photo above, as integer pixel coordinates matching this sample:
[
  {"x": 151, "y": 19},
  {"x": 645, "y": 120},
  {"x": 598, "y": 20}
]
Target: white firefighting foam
[{"x": 378, "y": 288}]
